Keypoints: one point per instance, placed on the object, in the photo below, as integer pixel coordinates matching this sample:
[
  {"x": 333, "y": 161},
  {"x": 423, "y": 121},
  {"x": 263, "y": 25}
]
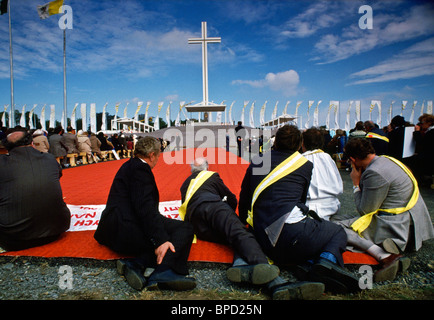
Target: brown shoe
[
  {"x": 390, "y": 246},
  {"x": 391, "y": 266}
]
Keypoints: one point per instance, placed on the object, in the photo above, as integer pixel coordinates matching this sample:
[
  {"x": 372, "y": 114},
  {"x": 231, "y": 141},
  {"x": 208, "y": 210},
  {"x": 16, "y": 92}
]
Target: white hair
[{"x": 199, "y": 164}]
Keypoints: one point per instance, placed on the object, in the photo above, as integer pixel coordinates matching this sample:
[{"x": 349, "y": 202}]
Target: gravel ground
[{"x": 30, "y": 278}]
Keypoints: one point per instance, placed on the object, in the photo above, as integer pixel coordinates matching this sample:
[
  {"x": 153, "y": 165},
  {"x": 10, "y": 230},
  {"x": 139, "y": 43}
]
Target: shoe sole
[
  {"x": 120, "y": 267},
  {"x": 390, "y": 246},
  {"x": 259, "y": 274},
  {"x": 388, "y": 273},
  {"x": 133, "y": 279},
  {"x": 300, "y": 291},
  {"x": 336, "y": 281},
  {"x": 177, "y": 285},
  {"x": 404, "y": 264}
]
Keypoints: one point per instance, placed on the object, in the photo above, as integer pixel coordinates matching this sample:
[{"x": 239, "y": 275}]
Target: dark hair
[
  {"x": 359, "y": 125},
  {"x": 288, "y": 137},
  {"x": 359, "y": 148},
  {"x": 313, "y": 139},
  {"x": 24, "y": 140}
]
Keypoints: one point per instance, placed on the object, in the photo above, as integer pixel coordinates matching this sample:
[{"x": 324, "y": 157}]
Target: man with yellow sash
[
  {"x": 378, "y": 138},
  {"x": 392, "y": 216},
  {"x": 210, "y": 206},
  {"x": 272, "y": 200}
]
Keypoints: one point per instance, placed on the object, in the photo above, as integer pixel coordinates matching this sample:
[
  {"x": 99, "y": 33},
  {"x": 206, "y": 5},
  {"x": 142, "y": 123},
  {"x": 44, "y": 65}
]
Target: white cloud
[
  {"x": 286, "y": 82},
  {"x": 416, "y": 61},
  {"x": 387, "y": 29}
]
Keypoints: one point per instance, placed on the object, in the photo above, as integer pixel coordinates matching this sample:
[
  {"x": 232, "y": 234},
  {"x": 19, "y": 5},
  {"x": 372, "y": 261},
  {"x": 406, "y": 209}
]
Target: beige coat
[{"x": 40, "y": 143}]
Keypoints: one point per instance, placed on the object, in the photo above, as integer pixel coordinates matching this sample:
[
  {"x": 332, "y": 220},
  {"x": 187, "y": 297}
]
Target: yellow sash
[
  {"x": 291, "y": 164},
  {"x": 363, "y": 222},
  {"x": 192, "y": 188},
  {"x": 376, "y": 136}
]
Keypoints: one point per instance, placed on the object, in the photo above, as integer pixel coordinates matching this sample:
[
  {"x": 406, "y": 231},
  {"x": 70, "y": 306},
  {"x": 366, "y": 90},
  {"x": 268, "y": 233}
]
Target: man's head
[
  {"x": 148, "y": 148},
  {"x": 313, "y": 139},
  {"x": 288, "y": 138},
  {"x": 369, "y": 125},
  {"x": 359, "y": 148},
  {"x": 18, "y": 138},
  {"x": 199, "y": 164},
  {"x": 426, "y": 121}
]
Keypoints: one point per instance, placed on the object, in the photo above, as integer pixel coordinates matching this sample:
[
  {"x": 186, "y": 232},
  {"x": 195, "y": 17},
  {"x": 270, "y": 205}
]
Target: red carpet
[{"x": 89, "y": 185}]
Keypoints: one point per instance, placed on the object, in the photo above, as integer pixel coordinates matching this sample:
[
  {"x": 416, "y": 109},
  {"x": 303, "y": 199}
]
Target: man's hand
[
  {"x": 160, "y": 252},
  {"x": 355, "y": 174}
]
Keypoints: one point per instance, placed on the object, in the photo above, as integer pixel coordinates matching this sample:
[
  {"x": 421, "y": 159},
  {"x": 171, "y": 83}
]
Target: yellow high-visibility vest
[
  {"x": 363, "y": 222},
  {"x": 377, "y": 136},
  {"x": 295, "y": 161}
]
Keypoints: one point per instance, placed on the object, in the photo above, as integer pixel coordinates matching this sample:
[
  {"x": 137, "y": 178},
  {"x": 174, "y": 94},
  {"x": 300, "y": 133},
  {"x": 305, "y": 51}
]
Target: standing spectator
[{"x": 396, "y": 137}]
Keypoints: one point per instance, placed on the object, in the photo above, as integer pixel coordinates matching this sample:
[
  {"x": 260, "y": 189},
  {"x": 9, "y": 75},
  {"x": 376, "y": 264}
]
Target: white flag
[
  {"x": 114, "y": 125},
  {"x": 308, "y": 114},
  {"x": 242, "y": 111},
  {"x": 31, "y": 124},
  {"x": 378, "y": 103},
  {"x": 331, "y": 104},
  {"x": 422, "y": 107},
  {"x": 262, "y": 114},
  {"x": 52, "y": 116},
  {"x": 139, "y": 106},
  {"x": 230, "y": 112},
  {"x": 104, "y": 118},
  {"x": 285, "y": 109},
  {"x": 83, "y": 117},
  {"x": 93, "y": 117},
  {"x": 347, "y": 121},
  {"x": 403, "y": 105},
  {"x": 429, "y": 107},
  {"x": 23, "y": 117},
  {"x": 168, "y": 114},
  {"x": 42, "y": 120},
  {"x": 157, "y": 119},
  {"x": 274, "y": 114},
  {"x": 4, "y": 115},
  {"x": 389, "y": 114},
  {"x": 357, "y": 112},
  {"x": 73, "y": 123},
  {"x": 412, "y": 112},
  {"x": 296, "y": 112},
  {"x": 146, "y": 112},
  {"x": 336, "y": 115},
  {"x": 125, "y": 110},
  {"x": 178, "y": 117},
  {"x": 251, "y": 118},
  {"x": 315, "y": 115}
]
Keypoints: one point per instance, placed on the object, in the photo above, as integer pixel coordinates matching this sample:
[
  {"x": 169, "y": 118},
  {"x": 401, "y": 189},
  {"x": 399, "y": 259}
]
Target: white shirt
[{"x": 325, "y": 186}]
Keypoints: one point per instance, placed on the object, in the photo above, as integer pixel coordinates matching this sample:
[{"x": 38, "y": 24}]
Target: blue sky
[{"x": 275, "y": 51}]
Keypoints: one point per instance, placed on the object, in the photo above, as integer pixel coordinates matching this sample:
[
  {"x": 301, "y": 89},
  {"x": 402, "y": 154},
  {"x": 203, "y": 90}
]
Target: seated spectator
[
  {"x": 391, "y": 214},
  {"x": 132, "y": 225},
  {"x": 378, "y": 138},
  {"x": 95, "y": 145},
  {"x": 32, "y": 210},
  {"x": 272, "y": 200},
  {"x": 326, "y": 182},
  {"x": 84, "y": 145},
  {"x": 57, "y": 147},
  {"x": 210, "y": 208},
  {"x": 358, "y": 131},
  {"x": 70, "y": 140},
  {"x": 106, "y": 145},
  {"x": 40, "y": 141}
]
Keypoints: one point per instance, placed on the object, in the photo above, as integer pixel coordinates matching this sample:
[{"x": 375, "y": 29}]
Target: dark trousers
[
  {"x": 217, "y": 222},
  {"x": 181, "y": 236},
  {"x": 306, "y": 240}
]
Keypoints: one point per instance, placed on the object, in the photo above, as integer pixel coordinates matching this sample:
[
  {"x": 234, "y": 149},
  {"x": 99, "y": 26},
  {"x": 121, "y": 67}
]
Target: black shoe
[
  {"x": 169, "y": 280},
  {"x": 298, "y": 291},
  {"x": 336, "y": 279},
  {"x": 132, "y": 272},
  {"x": 254, "y": 274}
]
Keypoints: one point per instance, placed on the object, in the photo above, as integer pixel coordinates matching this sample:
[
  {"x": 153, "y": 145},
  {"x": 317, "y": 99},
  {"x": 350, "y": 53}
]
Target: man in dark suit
[
  {"x": 32, "y": 210},
  {"x": 132, "y": 224},
  {"x": 241, "y": 135},
  {"x": 378, "y": 138},
  {"x": 276, "y": 210}
]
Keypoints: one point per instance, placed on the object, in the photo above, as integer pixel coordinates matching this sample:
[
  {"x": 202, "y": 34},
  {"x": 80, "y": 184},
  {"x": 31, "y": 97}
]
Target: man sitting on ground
[
  {"x": 391, "y": 214},
  {"x": 32, "y": 210},
  {"x": 272, "y": 201},
  {"x": 209, "y": 206},
  {"x": 131, "y": 224},
  {"x": 326, "y": 182}
]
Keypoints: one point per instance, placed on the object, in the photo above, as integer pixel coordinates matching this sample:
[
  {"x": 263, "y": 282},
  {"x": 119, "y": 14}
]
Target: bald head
[
  {"x": 17, "y": 138},
  {"x": 199, "y": 164}
]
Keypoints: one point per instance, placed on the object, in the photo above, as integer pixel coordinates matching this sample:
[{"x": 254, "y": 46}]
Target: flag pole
[
  {"x": 64, "y": 79},
  {"x": 12, "y": 119}
]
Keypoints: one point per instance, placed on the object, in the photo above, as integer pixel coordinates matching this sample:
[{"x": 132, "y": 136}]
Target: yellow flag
[{"x": 49, "y": 9}]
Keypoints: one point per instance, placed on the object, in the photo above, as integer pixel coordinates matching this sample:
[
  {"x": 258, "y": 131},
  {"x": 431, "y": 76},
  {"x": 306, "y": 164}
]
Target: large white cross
[{"x": 204, "y": 41}]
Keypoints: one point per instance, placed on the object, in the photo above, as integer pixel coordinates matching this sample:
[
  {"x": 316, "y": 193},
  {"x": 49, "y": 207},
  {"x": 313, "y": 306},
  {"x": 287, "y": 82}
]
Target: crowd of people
[{"x": 288, "y": 215}]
